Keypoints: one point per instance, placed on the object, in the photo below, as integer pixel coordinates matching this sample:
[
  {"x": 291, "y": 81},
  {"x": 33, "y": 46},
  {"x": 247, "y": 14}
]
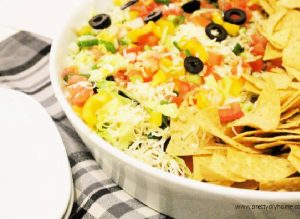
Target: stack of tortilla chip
[
  {"x": 265, "y": 155},
  {"x": 282, "y": 31}
]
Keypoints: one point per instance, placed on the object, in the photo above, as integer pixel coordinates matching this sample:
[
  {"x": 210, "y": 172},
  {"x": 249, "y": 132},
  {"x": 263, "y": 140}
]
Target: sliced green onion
[
  {"x": 187, "y": 52},
  {"x": 177, "y": 46},
  {"x": 164, "y": 102},
  {"x": 108, "y": 45},
  {"x": 165, "y": 2},
  {"x": 123, "y": 42},
  {"x": 87, "y": 43},
  {"x": 238, "y": 49},
  {"x": 178, "y": 20}
]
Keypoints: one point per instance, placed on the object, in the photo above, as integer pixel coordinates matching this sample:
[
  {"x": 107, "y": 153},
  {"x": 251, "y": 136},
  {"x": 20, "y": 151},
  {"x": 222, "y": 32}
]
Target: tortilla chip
[
  {"x": 292, "y": 102},
  {"x": 202, "y": 170},
  {"x": 288, "y": 184},
  {"x": 251, "y": 88},
  {"x": 219, "y": 165},
  {"x": 186, "y": 134},
  {"x": 266, "y": 114},
  {"x": 282, "y": 81},
  {"x": 295, "y": 161},
  {"x": 291, "y": 4},
  {"x": 269, "y": 28},
  {"x": 289, "y": 113},
  {"x": 295, "y": 150},
  {"x": 268, "y": 5},
  {"x": 260, "y": 133},
  {"x": 249, "y": 184},
  {"x": 208, "y": 120},
  {"x": 272, "y": 52},
  {"x": 268, "y": 145},
  {"x": 292, "y": 18},
  {"x": 292, "y": 122},
  {"x": 271, "y": 139},
  {"x": 258, "y": 167},
  {"x": 291, "y": 56},
  {"x": 280, "y": 38}
]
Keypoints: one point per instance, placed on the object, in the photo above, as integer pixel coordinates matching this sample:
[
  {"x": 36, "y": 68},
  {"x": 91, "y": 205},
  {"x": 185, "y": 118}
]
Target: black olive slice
[
  {"x": 153, "y": 16},
  {"x": 100, "y": 21},
  {"x": 235, "y": 16},
  {"x": 216, "y": 31},
  {"x": 191, "y": 6},
  {"x": 128, "y": 4},
  {"x": 193, "y": 65}
]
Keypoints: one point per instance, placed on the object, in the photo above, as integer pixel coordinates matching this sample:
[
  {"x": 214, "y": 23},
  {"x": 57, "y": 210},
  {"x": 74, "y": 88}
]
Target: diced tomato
[
  {"x": 206, "y": 4},
  {"x": 184, "y": 87},
  {"x": 255, "y": 7},
  {"x": 257, "y": 65},
  {"x": 231, "y": 114},
  {"x": 214, "y": 59},
  {"x": 73, "y": 79},
  {"x": 79, "y": 93},
  {"x": 258, "y": 49},
  {"x": 225, "y": 5},
  {"x": 69, "y": 70},
  {"x": 202, "y": 19},
  {"x": 121, "y": 75},
  {"x": 275, "y": 63},
  {"x": 234, "y": 67},
  {"x": 178, "y": 100},
  {"x": 149, "y": 39},
  {"x": 173, "y": 11},
  {"x": 134, "y": 49},
  {"x": 189, "y": 162},
  {"x": 259, "y": 39},
  {"x": 144, "y": 10}
]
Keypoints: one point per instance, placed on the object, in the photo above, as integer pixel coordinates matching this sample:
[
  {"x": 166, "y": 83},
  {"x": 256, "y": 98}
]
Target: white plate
[{"x": 35, "y": 177}]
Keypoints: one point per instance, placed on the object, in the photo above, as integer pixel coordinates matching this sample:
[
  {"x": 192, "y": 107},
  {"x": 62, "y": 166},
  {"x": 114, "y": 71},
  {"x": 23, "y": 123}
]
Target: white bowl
[{"x": 175, "y": 196}]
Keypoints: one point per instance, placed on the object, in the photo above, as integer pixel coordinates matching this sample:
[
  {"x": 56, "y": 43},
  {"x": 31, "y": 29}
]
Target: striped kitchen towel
[{"x": 24, "y": 59}]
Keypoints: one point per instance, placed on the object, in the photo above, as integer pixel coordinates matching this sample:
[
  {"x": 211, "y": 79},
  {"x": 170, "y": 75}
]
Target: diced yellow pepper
[
  {"x": 155, "y": 119},
  {"x": 106, "y": 36},
  {"x": 202, "y": 100},
  {"x": 195, "y": 48},
  {"x": 217, "y": 18},
  {"x": 162, "y": 23},
  {"x": 236, "y": 87},
  {"x": 224, "y": 86},
  {"x": 84, "y": 30},
  {"x": 159, "y": 78},
  {"x": 165, "y": 64},
  {"x": 133, "y": 15},
  {"x": 77, "y": 110},
  {"x": 232, "y": 29},
  {"x": 91, "y": 106},
  {"x": 118, "y": 2},
  {"x": 136, "y": 33}
]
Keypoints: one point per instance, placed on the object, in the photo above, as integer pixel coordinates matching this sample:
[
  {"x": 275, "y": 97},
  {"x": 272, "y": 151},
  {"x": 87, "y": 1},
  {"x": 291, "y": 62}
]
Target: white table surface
[{"x": 38, "y": 16}]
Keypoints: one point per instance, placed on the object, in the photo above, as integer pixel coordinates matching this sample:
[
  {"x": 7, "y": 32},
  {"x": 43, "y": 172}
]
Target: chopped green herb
[
  {"x": 123, "y": 42},
  {"x": 238, "y": 49},
  {"x": 179, "y": 20},
  {"x": 108, "y": 45},
  {"x": 187, "y": 52},
  {"x": 165, "y": 2},
  {"x": 87, "y": 43},
  {"x": 177, "y": 46},
  {"x": 164, "y": 102}
]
